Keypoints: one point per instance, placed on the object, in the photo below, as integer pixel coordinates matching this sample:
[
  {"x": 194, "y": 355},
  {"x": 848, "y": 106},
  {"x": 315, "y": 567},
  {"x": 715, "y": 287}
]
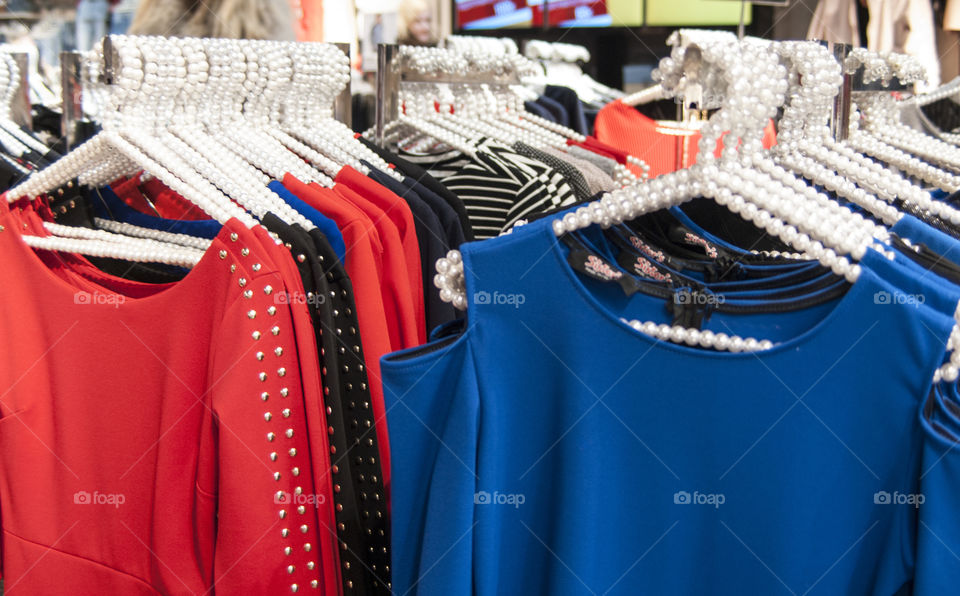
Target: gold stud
[
  {"x": 268, "y": 290},
  {"x": 223, "y": 254},
  {"x": 256, "y": 267},
  {"x": 242, "y": 281},
  {"x": 271, "y": 437},
  {"x": 233, "y": 237},
  {"x": 278, "y": 351},
  {"x": 256, "y": 335},
  {"x": 264, "y": 396},
  {"x": 292, "y": 452},
  {"x": 284, "y": 392},
  {"x": 281, "y": 496},
  {"x": 273, "y": 456},
  {"x": 298, "y": 491},
  {"x": 262, "y": 376},
  {"x": 286, "y": 412},
  {"x": 259, "y": 355},
  {"x": 311, "y": 565},
  {"x": 272, "y": 310},
  {"x": 304, "y": 528},
  {"x": 307, "y": 547},
  {"x": 301, "y": 509},
  {"x": 267, "y": 416},
  {"x": 281, "y": 372},
  {"x": 245, "y": 251},
  {"x": 294, "y": 588},
  {"x": 314, "y": 583},
  {"x": 289, "y": 433},
  {"x": 275, "y": 330},
  {"x": 287, "y": 550},
  {"x": 301, "y": 258},
  {"x": 295, "y": 471},
  {"x": 233, "y": 268},
  {"x": 252, "y": 314},
  {"x": 290, "y": 569},
  {"x": 284, "y": 532},
  {"x": 276, "y": 476},
  {"x": 248, "y": 294}
]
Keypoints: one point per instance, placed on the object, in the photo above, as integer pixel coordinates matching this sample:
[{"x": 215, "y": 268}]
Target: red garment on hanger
[
  {"x": 140, "y": 195},
  {"x": 394, "y": 280},
  {"x": 127, "y": 468},
  {"x": 399, "y": 213},
  {"x": 665, "y": 148}
]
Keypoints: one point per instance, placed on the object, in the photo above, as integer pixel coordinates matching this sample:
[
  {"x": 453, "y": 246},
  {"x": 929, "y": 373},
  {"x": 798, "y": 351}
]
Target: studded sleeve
[{"x": 267, "y": 533}]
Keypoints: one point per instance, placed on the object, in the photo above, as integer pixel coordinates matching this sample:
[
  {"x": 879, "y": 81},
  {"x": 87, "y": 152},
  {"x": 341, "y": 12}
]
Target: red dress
[
  {"x": 138, "y": 453},
  {"x": 399, "y": 213},
  {"x": 665, "y": 148}
]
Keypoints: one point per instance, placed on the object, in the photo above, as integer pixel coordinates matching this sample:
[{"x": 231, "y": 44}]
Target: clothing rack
[
  {"x": 395, "y": 70},
  {"x": 555, "y": 51},
  {"x": 855, "y": 82},
  {"x": 72, "y": 85}
]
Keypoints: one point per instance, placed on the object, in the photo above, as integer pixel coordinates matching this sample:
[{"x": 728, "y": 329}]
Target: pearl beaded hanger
[
  {"x": 229, "y": 173},
  {"x": 143, "y": 151},
  {"x": 774, "y": 205},
  {"x": 815, "y": 79},
  {"x": 481, "y": 110},
  {"x": 883, "y": 135},
  {"x": 10, "y": 79}
]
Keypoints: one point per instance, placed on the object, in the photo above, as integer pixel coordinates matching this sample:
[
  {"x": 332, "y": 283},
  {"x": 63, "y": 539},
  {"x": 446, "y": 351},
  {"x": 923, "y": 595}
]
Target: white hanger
[
  {"x": 146, "y": 153},
  {"x": 770, "y": 206}
]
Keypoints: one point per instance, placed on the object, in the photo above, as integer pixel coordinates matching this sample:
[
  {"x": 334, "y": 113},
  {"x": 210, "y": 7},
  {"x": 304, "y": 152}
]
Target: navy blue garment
[
  {"x": 422, "y": 176},
  {"x": 449, "y": 221},
  {"x": 110, "y": 206},
  {"x": 571, "y": 103},
  {"x": 553, "y": 106},
  {"x": 324, "y": 223},
  {"x": 552, "y": 449},
  {"x": 535, "y": 108},
  {"x": 432, "y": 241}
]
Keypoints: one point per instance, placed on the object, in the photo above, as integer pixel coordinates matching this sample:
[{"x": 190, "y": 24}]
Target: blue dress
[{"x": 551, "y": 449}]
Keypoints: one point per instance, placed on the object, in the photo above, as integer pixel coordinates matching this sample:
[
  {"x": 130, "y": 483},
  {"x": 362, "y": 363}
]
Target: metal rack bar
[
  {"x": 392, "y": 75},
  {"x": 343, "y": 105},
  {"x": 71, "y": 84}
]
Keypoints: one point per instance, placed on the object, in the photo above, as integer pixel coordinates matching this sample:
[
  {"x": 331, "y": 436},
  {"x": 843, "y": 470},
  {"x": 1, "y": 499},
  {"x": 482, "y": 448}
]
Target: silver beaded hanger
[{"x": 764, "y": 197}]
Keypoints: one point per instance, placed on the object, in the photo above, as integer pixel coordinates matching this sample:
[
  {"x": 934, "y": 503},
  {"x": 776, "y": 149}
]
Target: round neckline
[
  {"x": 807, "y": 337},
  {"x": 69, "y": 291}
]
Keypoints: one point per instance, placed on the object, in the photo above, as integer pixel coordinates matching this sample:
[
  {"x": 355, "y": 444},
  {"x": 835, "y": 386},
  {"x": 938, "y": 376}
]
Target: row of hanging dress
[
  {"x": 195, "y": 402},
  {"x": 198, "y": 395},
  {"x": 739, "y": 377}
]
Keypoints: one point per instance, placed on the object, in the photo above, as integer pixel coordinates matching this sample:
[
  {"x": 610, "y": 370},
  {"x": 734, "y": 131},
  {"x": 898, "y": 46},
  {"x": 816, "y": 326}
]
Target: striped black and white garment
[
  {"x": 501, "y": 187},
  {"x": 439, "y": 165}
]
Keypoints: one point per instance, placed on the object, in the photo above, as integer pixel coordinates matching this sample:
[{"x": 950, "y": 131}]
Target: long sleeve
[
  {"x": 266, "y": 499},
  {"x": 432, "y": 400}
]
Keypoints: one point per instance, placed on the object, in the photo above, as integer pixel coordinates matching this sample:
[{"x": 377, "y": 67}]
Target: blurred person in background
[
  {"x": 415, "y": 27},
  {"x": 235, "y": 19},
  {"x": 121, "y": 15},
  {"x": 91, "y": 22}
]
